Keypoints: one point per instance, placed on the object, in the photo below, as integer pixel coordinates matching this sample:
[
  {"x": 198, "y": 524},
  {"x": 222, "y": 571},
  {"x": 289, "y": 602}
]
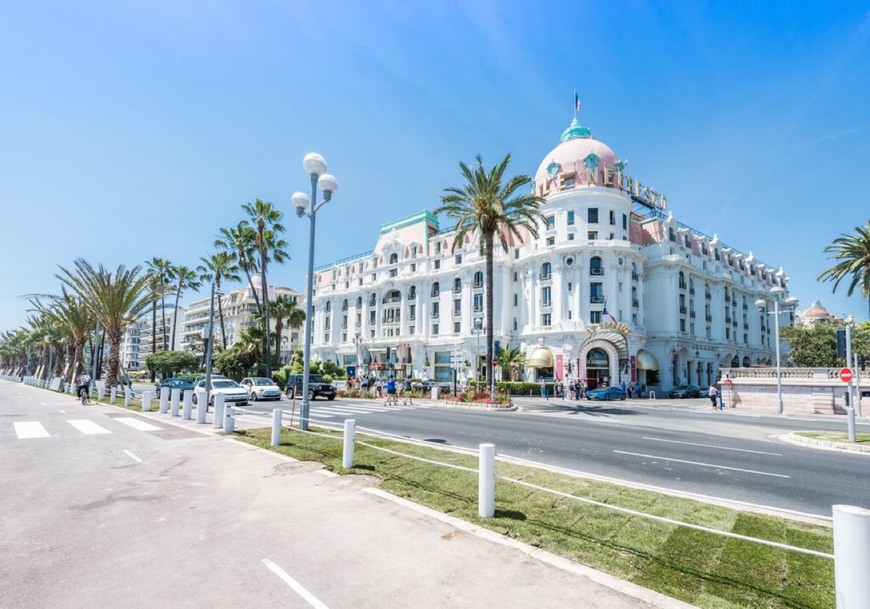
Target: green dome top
[{"x": 575, "y": 131}]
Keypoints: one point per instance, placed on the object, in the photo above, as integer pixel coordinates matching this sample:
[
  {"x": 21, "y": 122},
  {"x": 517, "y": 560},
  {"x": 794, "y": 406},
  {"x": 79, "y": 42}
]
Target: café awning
[{"x": 540, "y": 358}]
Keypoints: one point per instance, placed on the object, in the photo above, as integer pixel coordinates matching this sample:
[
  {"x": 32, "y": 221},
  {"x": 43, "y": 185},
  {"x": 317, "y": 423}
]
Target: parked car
[
  {"x": 316, "y": 387},
  {"x": 704, "y": 392},
  {"x": 174, "y": 383},
  {"x": 201, "y": 377},
  {"x": 233, "y": 392},
  {"x": 685, "y": 391},
  {"x": 605, "y": 394},
  {"x": 426, "y": 386},
  {"x": 261, "y": 388}
]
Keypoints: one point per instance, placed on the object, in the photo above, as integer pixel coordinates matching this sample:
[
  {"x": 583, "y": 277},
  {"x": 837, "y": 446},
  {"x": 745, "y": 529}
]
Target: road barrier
[
  {"x": 188, "y": 406},
  {"x": 174, "y": 400},
  {"x": 219, "y": 401}
]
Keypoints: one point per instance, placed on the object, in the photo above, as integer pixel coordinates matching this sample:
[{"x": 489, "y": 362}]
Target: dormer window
[{"x": 394, "y": 258}]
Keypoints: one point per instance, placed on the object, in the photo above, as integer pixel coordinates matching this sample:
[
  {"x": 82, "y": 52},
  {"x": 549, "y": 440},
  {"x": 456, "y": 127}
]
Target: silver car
[{"x": 261, "y": 388}]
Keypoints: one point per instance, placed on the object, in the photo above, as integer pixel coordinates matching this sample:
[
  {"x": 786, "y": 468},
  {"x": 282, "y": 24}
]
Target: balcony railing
[
  {"x": 596, "y": 271},
  {"x": 545, "y": 276},
  {"x": 727, "y": 320},
  {"x": 596, "y": 299},
  {"x": 709, "y": 317},
  {"x": 434, "y": 314},
  {"x": 635, "y": 302},
  {"x": 682, "y": 285},
  {"x": 692, "y": 314},
  {"x": 708, "y": 296},
  {"x": 691, "y": 290},
  {"x": 412, "y": 295},
  {"x": 435, "y": 293},
  {"x": 634, "y": 276},
  {"x": 546, "y": 303},
  {"x": 477, "y": 284},
  {"x": 683, "y": 310},
  {"x": 478, "y": 309},
  {"x": 389, "y": 299},
  {"x": 457, "y": 289}
]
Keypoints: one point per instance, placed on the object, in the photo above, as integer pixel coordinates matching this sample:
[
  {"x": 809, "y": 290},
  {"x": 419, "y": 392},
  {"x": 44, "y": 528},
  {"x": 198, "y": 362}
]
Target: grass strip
[
  {"x": 834, "y": 436},
  {"x": 700, "y": 568}
]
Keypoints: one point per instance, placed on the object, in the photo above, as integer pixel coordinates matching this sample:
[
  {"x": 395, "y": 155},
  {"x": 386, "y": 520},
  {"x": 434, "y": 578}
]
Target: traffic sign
[
  {"x": 727, "y": 382},
  {"x": 846, "y": 375}
]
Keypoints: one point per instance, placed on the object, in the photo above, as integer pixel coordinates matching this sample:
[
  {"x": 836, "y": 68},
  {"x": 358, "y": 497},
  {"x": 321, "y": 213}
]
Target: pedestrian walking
[
  {"x": 391, "y": 392},
  {"x": 714, "y": 395},
  {"x": 544, "y": 390},
  {"x": 406, "y": 392}
]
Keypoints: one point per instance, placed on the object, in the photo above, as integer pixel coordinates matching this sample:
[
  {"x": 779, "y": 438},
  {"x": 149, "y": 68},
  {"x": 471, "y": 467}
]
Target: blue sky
[{"x": 133, "y": 129}]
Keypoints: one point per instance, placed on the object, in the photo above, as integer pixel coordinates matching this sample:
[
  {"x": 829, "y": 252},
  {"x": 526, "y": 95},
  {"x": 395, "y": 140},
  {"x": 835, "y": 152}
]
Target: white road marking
[
  {"x": 42, "y": 403},
  {"x": 62, "y": 411},
  {"x": 742, "y": 450},
  {"x": 312, "y": 600},
  {"x": 736, "y": 469},
  {"x": 30, "y": 429},
  {"x": 317, "y": 415},
  {"x": 87, "y": 426},
  {"x": 137, "y": 424},
  {"x": 132, "y": 456}
]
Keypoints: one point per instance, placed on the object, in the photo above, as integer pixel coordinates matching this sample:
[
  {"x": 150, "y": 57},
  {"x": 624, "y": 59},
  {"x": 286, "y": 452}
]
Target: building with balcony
[
  {"x": 139, "y": 341},
  {"x": 614, "y": 289}
]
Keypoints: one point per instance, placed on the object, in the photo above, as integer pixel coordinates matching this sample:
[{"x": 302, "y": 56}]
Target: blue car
[{"x": 609, "y": 393}]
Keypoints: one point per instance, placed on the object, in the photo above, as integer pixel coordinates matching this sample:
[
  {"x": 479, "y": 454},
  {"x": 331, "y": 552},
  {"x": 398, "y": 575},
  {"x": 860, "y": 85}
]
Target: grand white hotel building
[{"x": 614, "y": 289}]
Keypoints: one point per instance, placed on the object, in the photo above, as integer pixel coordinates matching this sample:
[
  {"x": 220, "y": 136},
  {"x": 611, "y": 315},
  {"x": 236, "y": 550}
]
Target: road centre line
[
  {"x": 736, "y": 469},
  {"x": 132, "y": 456},
  {"x": 297, "y": 587},
  {"x": 742, "y": 450}
]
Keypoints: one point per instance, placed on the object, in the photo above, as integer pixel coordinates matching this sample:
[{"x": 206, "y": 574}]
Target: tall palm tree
[
  {"x": 160, "y": 272},
  {"x": 116, "y": 298},
  {"x": 77, "y": 321},
  {"x": 240, "y": 242},
  {"x": 490, "y": 207},
  {"x": 509, "y": 359},
  {"x": 284, "y": 308},
  {"x": 217, "y": 267},
  {"x": 265, "y": 219},
  {"x": 185, "y": 278},
  {"x": 853, "y": 253}
]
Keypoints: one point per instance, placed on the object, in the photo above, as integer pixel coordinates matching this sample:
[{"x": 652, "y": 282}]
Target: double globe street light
[
  {"x": 315, "y": 166},
  {"x": 789, "y": 305}
]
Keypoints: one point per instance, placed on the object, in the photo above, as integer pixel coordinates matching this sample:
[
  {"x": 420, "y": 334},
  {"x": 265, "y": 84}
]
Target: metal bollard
[
  {"x": 277, "y": 415},
  {"x": 486, "y": 481},
  {"x": 851, "y": 555},
  {"x": 164, "y": 401},
  {"x": 349, "y": 438},
  {"x": 201, "y": 406},
  {"x": 146, "y": 401},
  {"x": 219, "y": 400},
  {"x": 173, "y": 403},
  {"x": 128, "y": 395},
  {"x": 113, "y": 395},
  {"x": 188, "y": 406},
  {"x": 230, "y": 420}
]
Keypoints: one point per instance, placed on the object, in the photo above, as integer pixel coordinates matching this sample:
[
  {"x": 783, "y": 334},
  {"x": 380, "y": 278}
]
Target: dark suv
[{"x": 316, "y": 387}]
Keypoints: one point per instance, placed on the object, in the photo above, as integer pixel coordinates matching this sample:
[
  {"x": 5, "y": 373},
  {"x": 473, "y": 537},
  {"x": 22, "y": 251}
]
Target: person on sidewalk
[
  {"x": 544, "y": 390},
  {"x": 714, "y": 395},
  {"x": 406, "y": 392},
  {"x": 391, "y": 392}
]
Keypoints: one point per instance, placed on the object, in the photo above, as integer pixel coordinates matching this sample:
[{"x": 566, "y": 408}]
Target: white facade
[
  {"x": 613, "y": 289},
  {"x": 136, "y": 343}
]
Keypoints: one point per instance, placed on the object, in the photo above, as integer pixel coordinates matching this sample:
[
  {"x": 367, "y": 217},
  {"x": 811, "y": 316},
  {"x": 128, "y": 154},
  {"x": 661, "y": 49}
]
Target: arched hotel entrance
[{"x": 597, "y": 368}]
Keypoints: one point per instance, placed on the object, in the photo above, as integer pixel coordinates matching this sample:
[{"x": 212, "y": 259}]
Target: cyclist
[{"x": 83, "y": 384}]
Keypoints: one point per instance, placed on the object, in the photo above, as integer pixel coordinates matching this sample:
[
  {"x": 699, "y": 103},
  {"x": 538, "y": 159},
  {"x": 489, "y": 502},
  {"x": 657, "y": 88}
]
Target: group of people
[
  {"x": 391, "y": 387},
  {"x": 577, "y": 389}
]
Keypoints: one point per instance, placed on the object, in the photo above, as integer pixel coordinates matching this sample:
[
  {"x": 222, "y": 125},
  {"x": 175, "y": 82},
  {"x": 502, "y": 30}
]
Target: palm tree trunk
[
  {"x": 266, "y": 345},
  {"x": 153, "y": 333},
  {"x": 163, "y": 315},
  {"x": 279, "y": 327},
  {"x": 223, "y": 329},
  {"x": 78, "y": 356},
  {"x": 174, "y": 315},
  {"x": 114, "y": 358},
  {"x": 488, "y": 241},
  {"x": 42, "y": 368}
]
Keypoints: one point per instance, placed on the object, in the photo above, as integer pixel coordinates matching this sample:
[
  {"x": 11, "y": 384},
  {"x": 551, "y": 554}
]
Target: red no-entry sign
[{"x": 846, "y": 375}]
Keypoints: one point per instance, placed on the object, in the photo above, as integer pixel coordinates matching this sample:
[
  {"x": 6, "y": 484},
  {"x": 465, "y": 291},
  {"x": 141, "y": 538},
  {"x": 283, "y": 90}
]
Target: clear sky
[{"x": 130, "y": 129}]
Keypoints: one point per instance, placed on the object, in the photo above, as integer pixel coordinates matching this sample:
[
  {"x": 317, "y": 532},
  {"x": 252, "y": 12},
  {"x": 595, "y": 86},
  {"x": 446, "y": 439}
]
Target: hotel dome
[{"x": 576, "y": 151}]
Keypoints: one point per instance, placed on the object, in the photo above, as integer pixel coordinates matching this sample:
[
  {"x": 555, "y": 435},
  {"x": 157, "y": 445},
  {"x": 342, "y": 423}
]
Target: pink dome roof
[
  {"x": 577, "y": 151},
  {"x": 816, "y": 310}
]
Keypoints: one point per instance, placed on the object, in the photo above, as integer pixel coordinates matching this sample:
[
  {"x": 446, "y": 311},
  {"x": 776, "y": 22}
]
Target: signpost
[{"x": 728, "y": 383}]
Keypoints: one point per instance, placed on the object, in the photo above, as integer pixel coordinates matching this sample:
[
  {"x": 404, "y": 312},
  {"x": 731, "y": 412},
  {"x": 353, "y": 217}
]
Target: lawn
[
  {"x": 834, "y": 436},
  {"x": 697, "y": 567}
]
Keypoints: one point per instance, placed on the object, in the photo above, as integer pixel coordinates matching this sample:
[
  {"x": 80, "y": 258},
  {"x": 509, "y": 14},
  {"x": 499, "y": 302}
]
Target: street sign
[
  {"x": 727, "y": 382},
  {"x": 846, "y": 375}
]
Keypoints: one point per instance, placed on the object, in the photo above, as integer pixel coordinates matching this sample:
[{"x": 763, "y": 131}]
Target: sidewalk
[{"x": 433, "y": 553}]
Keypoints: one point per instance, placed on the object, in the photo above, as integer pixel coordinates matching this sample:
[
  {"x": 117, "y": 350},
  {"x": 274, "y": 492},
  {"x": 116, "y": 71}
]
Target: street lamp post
[
  {"x": 209, "y": 345},
  {"x": 478, "y": 328},
  {"x": 315, "y": 166},
  {"x": 790, "y": 303}
]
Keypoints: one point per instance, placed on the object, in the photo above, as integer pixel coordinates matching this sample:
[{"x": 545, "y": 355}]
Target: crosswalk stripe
[
  {"x": 137, "y": 424},
  {"x": 30, "y": 429},
  {"x": 87, "y": 427}
]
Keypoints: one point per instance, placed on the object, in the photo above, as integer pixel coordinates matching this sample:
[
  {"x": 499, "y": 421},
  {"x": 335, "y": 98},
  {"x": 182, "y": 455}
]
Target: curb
[
  {"x": 793, "y": 438},
  {"x": 655, "y": 599}
]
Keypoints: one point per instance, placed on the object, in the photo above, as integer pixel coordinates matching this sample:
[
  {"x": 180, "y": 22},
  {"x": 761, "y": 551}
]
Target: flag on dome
[{"x": 576, "y": 103}]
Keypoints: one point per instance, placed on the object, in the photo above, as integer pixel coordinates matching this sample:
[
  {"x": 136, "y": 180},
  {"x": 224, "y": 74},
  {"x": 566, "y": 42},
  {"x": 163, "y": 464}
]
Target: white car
[
  {"x": 233, "y": 393},
  {"x": 261, "y": 388}
]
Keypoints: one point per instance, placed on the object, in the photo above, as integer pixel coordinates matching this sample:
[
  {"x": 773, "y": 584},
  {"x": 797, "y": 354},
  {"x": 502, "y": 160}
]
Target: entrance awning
[
  {"x": 646, "y": 361},
  {"x": 540, "y": 358}
]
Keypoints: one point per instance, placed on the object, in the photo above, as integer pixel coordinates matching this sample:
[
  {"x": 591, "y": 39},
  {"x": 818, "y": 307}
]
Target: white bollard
[
  {"x": 435, "y": 392},
  {"x": 349, "y": 439},
  {"x": 486, "y": 481},
  {"x": 128, "y": 395},
  {"x": 219, "y": 400},
  {"x": 188, "y": 406},
  {"x": 164, "y": 401},
  {"x": 277, "y": 415},
  {"x": 851, "y": 555},
  {"x": 174, "y": 399},
  {"x": 101, "y": 392},
  {"x": 230, "y": 420},
  {"x": 146, "y": 401},
  {"x": 113, "y": 396},
  {"x": 201, "y": 406}
]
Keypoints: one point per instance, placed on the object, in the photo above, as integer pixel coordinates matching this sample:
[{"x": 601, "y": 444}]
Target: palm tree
[
  {"x": 217, "y": 267},
  {"x": 283, "y": 307},
  {"x": 116, "y": 298},
  {"x": 76, "y": 321},
  {"x": 265, "y": 219},
  {"x": 487, "y": 207},
  {"x": 510, "y": 359},
  {"x": 240, "y": 242},
  {"x": 160, "y": 272},
  {"x": 184, "y": 278},
  {"x": 853, "y": 253}
]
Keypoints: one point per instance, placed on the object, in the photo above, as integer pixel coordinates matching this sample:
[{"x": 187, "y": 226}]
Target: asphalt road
[
  {"x": 104, "y": 508},
  {"x": 680, "y": 445}
]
